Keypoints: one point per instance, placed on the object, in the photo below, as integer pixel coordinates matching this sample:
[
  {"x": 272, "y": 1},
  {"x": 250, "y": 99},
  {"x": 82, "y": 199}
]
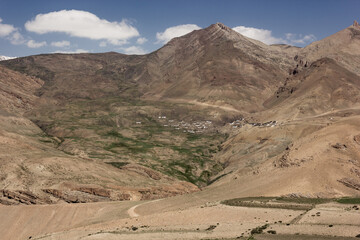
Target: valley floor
[
  {"x": 201, "y": 215},
  {"x": 192, "y": 218}
]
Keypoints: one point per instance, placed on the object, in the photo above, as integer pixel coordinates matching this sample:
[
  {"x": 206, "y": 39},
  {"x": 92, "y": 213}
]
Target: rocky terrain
[{"x": 210, "y": 116}]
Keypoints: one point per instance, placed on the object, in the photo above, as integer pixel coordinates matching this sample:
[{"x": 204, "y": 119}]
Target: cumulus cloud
[
  {"x": 141, "y": 40},
  {"x": 134, "y": 50},
  {"x": 16, "y": 38},
  {"x": 82, "y": 24},
  {"x": 11, "y": 33},
  {"x": 176, "y": 31},
  {"x": 266, "y": 36},
  {"x": 6, "y": 29},
  {"x": 117, "y": 42},
  {"x": 60, "y": 44},
  {"x": 262, "y": 35},
  {"x": 72, "y": 52},
  {"x": 294, "y": 39},
  {"x": 34, "y": 44}
]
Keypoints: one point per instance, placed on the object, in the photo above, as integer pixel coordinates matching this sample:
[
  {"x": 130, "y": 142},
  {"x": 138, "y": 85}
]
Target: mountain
[
  {"x": 202, "y": 66},
  {"x": 322, "y": 87},
  {"x": 218, "y": 66},
  {"x": 342, "y": 46},
  {"x": 212, "y": 110}
]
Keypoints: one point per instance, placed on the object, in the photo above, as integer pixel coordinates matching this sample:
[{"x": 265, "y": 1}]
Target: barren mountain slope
[
  {"x": 205, "y": 65},
  {"x": 219, "y": 66},
  {"x": 323, "y": 86},
  {"x": 314, "y": 141},
  {"x": 310, "y": 157},
  {"x": 17, "y": 91},
  {"x": 313, "y": 149},
  {"x": 343, "y": 47}
]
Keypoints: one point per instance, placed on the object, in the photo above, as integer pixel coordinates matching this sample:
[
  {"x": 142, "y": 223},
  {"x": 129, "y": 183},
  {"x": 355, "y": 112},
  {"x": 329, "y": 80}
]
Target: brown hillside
[{"x": 343, "y": 47}]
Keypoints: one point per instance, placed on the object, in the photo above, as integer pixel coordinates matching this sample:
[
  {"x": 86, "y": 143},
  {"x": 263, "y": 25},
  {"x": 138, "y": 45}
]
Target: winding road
[{"x": 131, "y": 211}]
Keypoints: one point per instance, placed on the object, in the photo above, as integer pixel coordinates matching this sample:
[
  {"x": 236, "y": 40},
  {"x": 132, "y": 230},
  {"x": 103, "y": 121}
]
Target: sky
[{"x": 142, "y": 26}]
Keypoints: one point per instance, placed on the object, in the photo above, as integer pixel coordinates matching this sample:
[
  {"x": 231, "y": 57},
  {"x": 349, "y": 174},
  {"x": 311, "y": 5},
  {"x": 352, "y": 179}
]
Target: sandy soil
[
  {"x": 192, "y": 223},
  {"x": 22, "y": 222},
  {"x": 210, "y": 220}
]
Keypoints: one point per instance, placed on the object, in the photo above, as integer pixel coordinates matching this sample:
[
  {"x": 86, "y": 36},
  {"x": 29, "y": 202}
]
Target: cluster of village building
[
  {"x": 242, "y": 122},
  {"x": 190, "y": 127},
  {"x": 207, "y": 125}
]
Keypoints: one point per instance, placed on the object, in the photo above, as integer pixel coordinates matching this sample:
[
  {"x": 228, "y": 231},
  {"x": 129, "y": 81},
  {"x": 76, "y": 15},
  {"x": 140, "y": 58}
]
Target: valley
[{"x": 213, "y": 136}]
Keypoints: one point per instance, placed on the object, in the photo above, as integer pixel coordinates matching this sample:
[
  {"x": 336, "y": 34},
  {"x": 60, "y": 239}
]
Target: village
[
  {"x": 189, "y": 127},
  {"x": 242, "y": 122},
  {"x": 204, "y": 126}
]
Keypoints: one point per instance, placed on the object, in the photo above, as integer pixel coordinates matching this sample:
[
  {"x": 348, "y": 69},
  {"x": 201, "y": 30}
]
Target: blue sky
[{"x": 135, "y": 27}]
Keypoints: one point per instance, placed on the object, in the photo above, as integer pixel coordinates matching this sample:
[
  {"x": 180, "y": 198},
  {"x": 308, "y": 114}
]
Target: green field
[{"x": 115, "y": 129}]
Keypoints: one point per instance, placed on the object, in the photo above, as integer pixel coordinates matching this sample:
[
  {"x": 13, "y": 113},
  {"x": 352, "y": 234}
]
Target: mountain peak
[
  {"x": 222, "y": 26},
  {"x": 220, "y": 30},
  {"x": 356, "y": 24}
]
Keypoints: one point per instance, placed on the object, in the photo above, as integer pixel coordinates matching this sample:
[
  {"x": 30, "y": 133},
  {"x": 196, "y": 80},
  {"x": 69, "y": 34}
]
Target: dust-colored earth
[{"x": 210, "y": 220}]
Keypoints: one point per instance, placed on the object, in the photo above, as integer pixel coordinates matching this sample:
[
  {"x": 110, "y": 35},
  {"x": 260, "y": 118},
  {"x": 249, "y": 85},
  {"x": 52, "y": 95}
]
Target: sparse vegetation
[
  {"x": 348, "y": 200},
  {"x": 210, "y": 228},
  {"x": 118, "y": 164},
  {"x": 259, "y": 230},
  {"x": 277, "y": 202},
  {"x": 115, "y": 128},
  {"x": 302, "y": 200}
]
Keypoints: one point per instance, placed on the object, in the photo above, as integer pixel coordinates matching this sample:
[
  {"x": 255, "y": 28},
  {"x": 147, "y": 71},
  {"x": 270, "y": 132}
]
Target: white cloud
[
  {"x": 176, "y": 31},
  {"x": 6, "y": 29},
  {"x": 61, "y": 44},
  {"x": 262, "y": 35},
  {"x": 266, "y": 36},
  {"x": 34, "y": 44},
  {"x": 72, "y": 52},
  {"x": 117, "y": 42},
  {"x": 103, "y": 44},
  {"x": 134, "y": 50},
  {"x": 141, "y": 40},
  {"x": 11, "y": 33},
  {"x": 82, "y": 24},
  {"x": 299, "y": 39},
  {"x": 16, "y": 38}
]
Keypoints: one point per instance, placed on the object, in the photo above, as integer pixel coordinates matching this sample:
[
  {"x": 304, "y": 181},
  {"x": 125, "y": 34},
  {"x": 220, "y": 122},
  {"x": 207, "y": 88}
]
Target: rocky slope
[
  {"x": 342, "y": 46},
  {"x": 205, "y": 66}
]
